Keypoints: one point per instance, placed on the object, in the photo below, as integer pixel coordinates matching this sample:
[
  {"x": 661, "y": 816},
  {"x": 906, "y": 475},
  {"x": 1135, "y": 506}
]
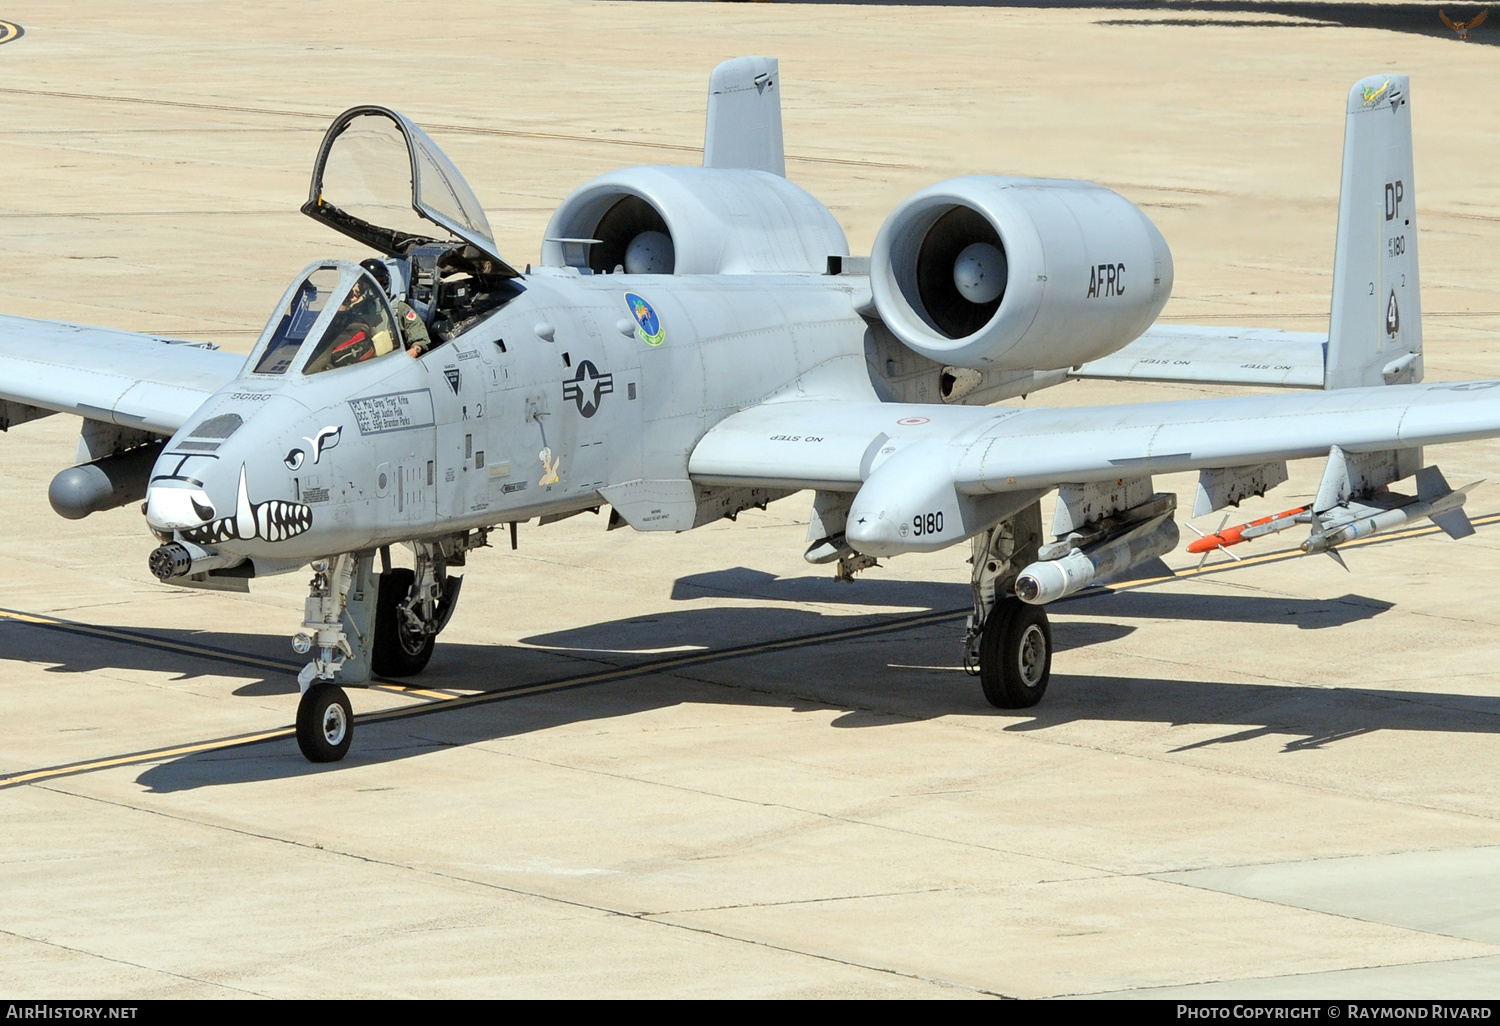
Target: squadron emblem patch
[{"x": 648, "y": 325}]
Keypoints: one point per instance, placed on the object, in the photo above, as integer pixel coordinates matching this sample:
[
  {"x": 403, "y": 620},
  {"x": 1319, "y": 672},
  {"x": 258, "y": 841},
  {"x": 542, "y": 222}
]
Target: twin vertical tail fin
[
  {"x": 744, "y": 116},
  {"x": 1375, "y": 327}
]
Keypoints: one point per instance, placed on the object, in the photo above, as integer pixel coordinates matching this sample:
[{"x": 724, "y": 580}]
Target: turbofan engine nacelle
[
  {"x": 693, "y": 220},
  {"x": 1018, "y": 273}
]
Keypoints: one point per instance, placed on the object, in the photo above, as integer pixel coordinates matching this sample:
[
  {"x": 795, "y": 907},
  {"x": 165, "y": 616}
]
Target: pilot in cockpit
[
  {"x": 358, "y": 329},
  {"x": 413, "y": 328}
]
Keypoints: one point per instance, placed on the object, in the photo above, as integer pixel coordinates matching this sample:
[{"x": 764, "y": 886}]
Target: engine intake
[
  {"x": 1018, "y": 273},
  {"x": 692, "y": 220}
]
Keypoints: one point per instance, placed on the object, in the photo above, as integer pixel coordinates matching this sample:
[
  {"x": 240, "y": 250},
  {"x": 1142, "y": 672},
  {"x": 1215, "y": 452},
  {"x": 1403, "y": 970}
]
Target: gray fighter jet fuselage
[{"x": 538, "y": 411}]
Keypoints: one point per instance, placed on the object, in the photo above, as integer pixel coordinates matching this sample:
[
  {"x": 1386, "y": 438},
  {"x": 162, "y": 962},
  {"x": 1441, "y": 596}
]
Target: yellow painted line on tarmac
[
  {"x": 442, "y": 700},
  {"x": 151, "y": 756},
  {"x": 445, "y": 701},
  {"x": 144, "y": 640}
]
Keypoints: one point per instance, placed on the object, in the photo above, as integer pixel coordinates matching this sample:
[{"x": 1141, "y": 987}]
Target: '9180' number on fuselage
[{"x": 927, "y": 523}]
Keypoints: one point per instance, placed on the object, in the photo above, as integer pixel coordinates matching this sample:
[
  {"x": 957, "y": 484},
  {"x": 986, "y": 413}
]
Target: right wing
[{"x": 118, "y": 377}]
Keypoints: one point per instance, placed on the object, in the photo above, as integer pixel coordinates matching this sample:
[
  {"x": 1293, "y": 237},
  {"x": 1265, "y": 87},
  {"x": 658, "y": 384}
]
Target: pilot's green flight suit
[{"x": 412, "y": 327}]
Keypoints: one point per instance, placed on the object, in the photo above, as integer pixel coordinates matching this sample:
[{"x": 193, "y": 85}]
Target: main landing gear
[
  {"x": 1009, "y": 644},
  {"x": 413, "y": 608}
]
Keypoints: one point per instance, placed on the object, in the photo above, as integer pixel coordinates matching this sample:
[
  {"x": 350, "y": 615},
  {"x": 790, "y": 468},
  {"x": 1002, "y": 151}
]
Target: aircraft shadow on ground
[
  {"x": 873, "y": 681},
  {"x": 744, "y": 583},
  {"x": 1414, "y": 18},
  {"x": 1307, "y": 614}
]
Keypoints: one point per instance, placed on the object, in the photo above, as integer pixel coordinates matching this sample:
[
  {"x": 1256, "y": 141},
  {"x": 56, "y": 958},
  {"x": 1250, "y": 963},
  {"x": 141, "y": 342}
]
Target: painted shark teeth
[
  {"x": 273, "y": 520},
  {"x": 277, "y": 520}
]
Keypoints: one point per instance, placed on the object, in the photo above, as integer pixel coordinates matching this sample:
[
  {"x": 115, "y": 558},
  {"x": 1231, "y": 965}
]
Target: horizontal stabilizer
[{"x": 1216, "y": 356}]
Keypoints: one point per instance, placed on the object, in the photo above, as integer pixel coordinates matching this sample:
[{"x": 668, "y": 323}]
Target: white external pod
[
  {"x": 1018, "y": 273},
  {"x": 1051, "y": 579}
]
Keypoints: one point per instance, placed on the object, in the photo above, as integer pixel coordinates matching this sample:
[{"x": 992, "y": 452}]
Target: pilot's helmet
[{"x": 379, "y": 271}]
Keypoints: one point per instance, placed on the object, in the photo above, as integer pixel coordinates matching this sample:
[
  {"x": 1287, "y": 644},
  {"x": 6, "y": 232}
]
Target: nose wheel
[{"x": 325, "y": 723}]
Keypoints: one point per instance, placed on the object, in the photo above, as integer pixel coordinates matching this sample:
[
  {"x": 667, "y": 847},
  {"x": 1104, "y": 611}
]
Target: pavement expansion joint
[
  {"x": 134, "y": 965},
  {"x": 824, "y": 899}
]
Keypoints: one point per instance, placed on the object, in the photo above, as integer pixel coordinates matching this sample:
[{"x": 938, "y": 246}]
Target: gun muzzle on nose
[{"x": 180, "y": 559}]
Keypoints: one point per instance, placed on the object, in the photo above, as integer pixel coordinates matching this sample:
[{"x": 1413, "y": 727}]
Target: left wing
[
  {"x": 118, "y": 377},
  {"x": 839, "y": 445},
  {"x": 975, "y": 464}
]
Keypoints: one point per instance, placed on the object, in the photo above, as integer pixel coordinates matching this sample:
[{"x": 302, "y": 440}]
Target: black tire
[
  {"x": 325, "y": 723},
  {"x": 397, "y": 652},
  {"x": 1015, "y": 655}
]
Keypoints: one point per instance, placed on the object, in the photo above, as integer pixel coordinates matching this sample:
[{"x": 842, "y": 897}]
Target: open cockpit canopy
[{"x": 381, "y": 180}]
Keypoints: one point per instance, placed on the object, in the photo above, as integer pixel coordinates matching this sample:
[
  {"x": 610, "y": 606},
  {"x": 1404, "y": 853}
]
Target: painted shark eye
[
  {"x": 205, "y": 513},
  {"x": 294, "y": 459}
]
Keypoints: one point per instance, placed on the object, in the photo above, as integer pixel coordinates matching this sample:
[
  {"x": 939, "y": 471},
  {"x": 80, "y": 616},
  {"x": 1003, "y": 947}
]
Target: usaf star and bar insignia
[{"x": 587, "y": 387}]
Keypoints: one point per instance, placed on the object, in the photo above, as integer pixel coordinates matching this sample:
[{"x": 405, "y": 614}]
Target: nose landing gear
[
  {"x": 358, "y": 624},
  {"x": 325, "y": 723}
]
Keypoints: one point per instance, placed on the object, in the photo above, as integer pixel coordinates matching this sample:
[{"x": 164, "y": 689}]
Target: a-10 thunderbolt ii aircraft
[{"x": 696, "y": 341}]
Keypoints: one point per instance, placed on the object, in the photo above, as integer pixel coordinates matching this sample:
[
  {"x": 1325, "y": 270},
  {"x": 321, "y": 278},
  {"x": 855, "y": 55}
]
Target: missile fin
[
  {"x": 1431, "y": 485},
  {"x": 1454, "y": 522},
  {"x": 1334, "y": 554}
]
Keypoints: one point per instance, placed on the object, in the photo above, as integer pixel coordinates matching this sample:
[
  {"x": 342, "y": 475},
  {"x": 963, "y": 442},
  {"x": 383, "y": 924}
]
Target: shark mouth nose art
[{"x": 273, "y": 520}]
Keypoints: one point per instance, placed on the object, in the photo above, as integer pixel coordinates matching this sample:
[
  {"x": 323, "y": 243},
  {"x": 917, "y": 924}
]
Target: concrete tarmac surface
[{"x": 694, "y": 765}]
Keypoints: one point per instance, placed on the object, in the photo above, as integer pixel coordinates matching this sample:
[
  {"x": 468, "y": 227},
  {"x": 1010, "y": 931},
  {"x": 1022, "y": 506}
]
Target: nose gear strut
[{"x": 323, "y": 624}]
